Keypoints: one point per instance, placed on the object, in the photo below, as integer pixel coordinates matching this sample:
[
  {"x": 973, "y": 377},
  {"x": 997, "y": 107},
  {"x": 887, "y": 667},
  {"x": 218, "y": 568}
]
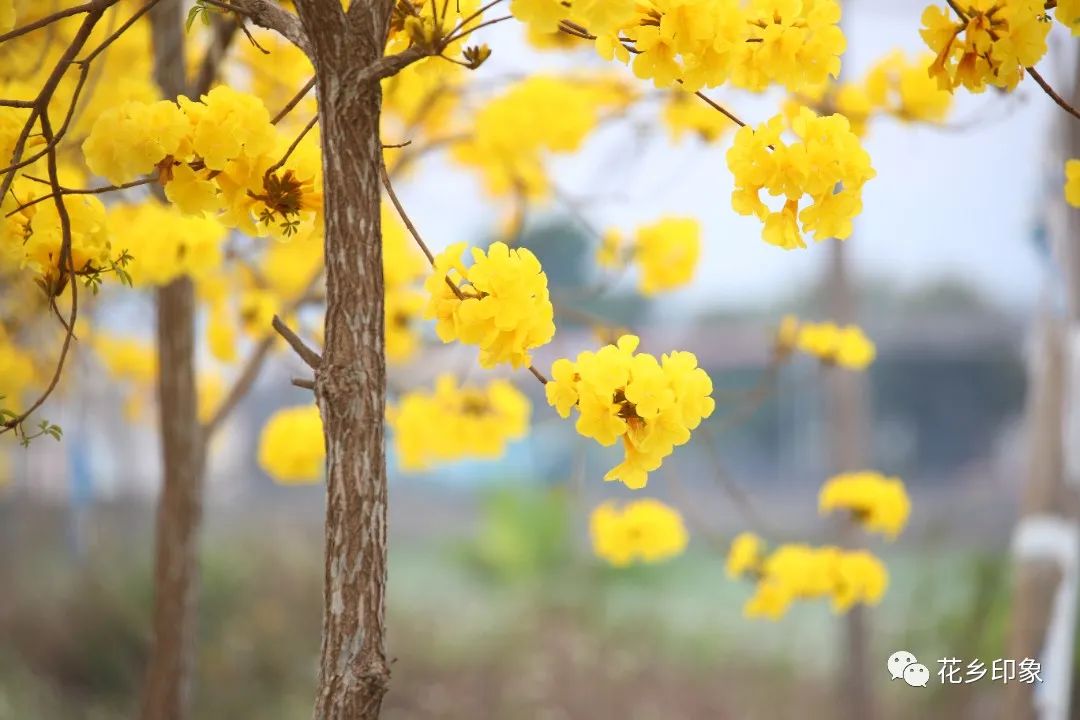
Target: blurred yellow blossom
[
  {"x": 846, "y": 346},
  {"x": 745, "y": 555},
  {"x": 878, "y": 503},
  {"x": 455, "y": 422},
  {"x": 1072, "y": 182},
  {"x": 801, "y": 572},
  {"x": 291, "y": 447},
  {"x": 644, "y": 530}
]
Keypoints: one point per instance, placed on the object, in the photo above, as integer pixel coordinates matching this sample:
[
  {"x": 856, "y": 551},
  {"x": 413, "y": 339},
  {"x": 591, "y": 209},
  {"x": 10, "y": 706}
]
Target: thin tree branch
[
  {"x": 270, "y": 15},
  {"x": 294, "y": 102},
  {"x": 1061, "y": 102},
  {"x": 309, "y": 356}
]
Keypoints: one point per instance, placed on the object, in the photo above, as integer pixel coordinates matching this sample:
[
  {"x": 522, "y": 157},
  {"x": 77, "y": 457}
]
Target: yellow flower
[
  {"x": 998, "y": 39},
  {"x": 642, "y": 531},
  {"x": 668, "y": 253},
  {"x": 452, "y": 422},
  {"x": 505, "y": 307},
  {"x": 164, "y": 243},
  {"x": 127, "y": 358},
  {"x": 228, "y": 124},
  {"x": 796, "y": 44},
  {"x": 861, "y": 578},
  {"x": 1067, "y": 13},
  {"x": 291, "y": 446},
  {"x": 745, "y": 555},
  {"x": 1072, "y": 182},
  {"x": 610, "y": 254},
  {"x": 878, "y": 503},
  {"x": 128, "y": 141},
  {"x": 845, "y": 346},
  {"x": 514, "y": 133},
  {"x": 651, "y": 406},
  {"x": 826, "y": 163},
  {"x": 192, "y": 194},
  {"x": 801, "y": 572},
  {"x": 541, "y": 15}
]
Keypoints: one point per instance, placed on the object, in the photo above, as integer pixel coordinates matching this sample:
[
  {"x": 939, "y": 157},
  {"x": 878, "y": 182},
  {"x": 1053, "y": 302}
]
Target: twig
[
  {"x": 299, "y": 138},
  {"x": 1062, "y": 103},
  {"x": 294, "y": 102},
  {"x": 309, "y": 356}
]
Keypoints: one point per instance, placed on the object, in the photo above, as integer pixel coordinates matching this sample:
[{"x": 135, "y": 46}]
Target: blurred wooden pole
[
  {"x": 848, "y": 427},
  {"x": 1043, "y": 623}
]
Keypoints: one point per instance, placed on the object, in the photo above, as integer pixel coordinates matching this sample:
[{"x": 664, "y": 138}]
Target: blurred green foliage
[{"x": 523, "y": 533}]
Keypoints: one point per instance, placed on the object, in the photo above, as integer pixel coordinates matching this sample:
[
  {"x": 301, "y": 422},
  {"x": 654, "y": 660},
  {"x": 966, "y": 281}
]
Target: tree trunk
[
  {"x": 166, "y": 688},
  {"x": 350, "y": 383}
]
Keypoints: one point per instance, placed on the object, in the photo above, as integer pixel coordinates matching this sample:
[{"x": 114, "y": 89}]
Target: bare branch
[
  {"x": 294, "y": 102},
  {"x": 1061, "y": 102},
  {"x": 270, "y": 15},
  {"x": 309, "y": 356}
]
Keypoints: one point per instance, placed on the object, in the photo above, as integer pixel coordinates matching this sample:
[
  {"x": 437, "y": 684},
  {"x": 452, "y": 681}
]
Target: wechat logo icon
[{"x": 904, "y": 665}]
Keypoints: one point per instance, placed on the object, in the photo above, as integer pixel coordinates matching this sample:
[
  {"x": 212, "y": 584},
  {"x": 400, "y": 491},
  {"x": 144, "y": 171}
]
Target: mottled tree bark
[
  {"x": 167, "y": 685},
  {"x": 350, "y": 382}
]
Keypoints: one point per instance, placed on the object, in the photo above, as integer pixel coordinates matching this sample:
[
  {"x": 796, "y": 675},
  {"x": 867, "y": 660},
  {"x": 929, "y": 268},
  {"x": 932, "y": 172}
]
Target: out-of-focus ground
[{"x": 496, "y": 610}]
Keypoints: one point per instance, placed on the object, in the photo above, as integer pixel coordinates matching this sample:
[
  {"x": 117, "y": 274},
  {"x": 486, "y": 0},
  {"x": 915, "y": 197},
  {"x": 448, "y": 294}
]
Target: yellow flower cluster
[
  {"x": 845, "y": 346},
  {"x": 878, "y": 503},
  {"x": 642, "y": 531},
  {"x": 217, "y": 155},
  {"x": 164, "y": 243},
  {"x": 31, "y": 237},
  {"x": 795, "y": 43},
  {"x": 291, "y": 446},
  {"x": 992, "y": 44},
  {"x": 894, "y": 86},
  {"x": 455, "y": 422},
  {"x": 1068, "y": 14},
  {"x": 704, "y": 43},
  {"x": 514, "y": 132},
  {"x": 504, "y": 307},
  {"x": 826, "y": 162},
  {"x": 1072, "y": 182},
  {"x": 652, "y": 406},
  {"x": 667, "y": 252},
  {"x": 801, "y": 572}
]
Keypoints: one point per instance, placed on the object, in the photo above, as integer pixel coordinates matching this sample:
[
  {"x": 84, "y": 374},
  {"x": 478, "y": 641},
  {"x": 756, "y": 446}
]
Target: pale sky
[{"x": 945, "y": 204}]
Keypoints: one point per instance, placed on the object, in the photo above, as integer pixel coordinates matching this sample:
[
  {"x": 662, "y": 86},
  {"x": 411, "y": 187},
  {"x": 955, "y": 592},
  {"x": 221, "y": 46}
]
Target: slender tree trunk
[
  {"x": 166, "y": 688},
  {"x": 350, "y": 383},
  {"x": 1045, "y": 542},
  {"x": 848, "y": 422}
]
